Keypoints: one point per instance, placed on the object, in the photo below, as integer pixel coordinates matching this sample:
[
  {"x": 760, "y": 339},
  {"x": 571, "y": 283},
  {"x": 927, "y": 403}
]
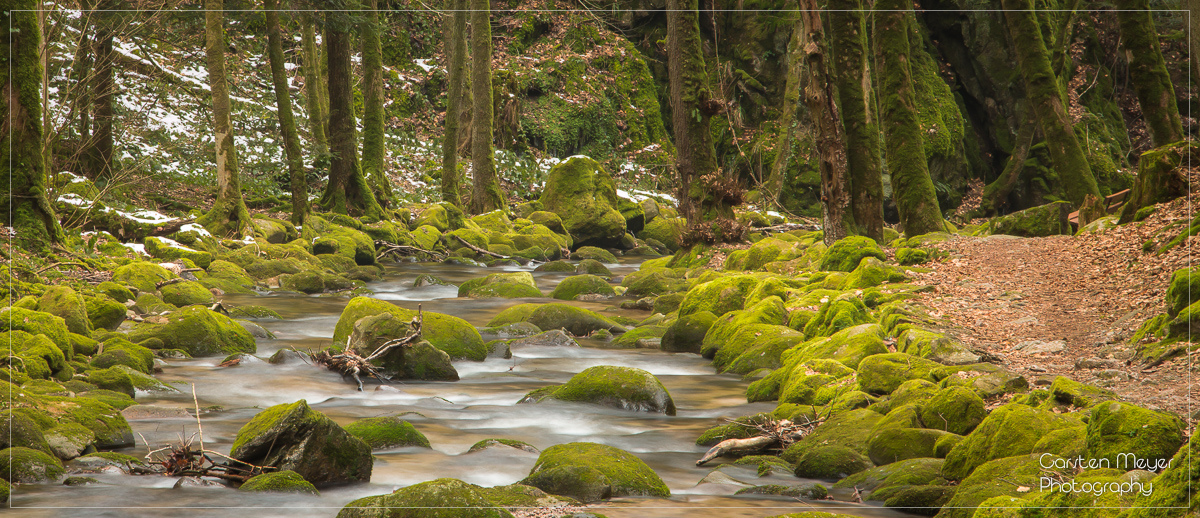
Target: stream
[{"x": 453, "y": 416}]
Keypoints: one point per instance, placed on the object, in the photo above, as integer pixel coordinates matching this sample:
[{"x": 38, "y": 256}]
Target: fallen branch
[
  {"x": 349, "y": 364},
  {"x": 388, "y": 248},
  {"x": 772, "y": 435},
  {"x": 44, "y": 268},
  {"x": 168, "y": 282},
  {"x": 739, "y": 447},
  {"x": 479, "y": 250}
]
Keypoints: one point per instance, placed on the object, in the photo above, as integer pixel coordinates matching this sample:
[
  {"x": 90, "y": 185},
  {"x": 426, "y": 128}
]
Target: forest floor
[{"x": 1077, "y": 298}]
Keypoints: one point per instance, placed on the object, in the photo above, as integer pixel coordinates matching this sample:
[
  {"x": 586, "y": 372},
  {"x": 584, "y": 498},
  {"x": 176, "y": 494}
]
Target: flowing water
[{"x": 452, "y": 415}]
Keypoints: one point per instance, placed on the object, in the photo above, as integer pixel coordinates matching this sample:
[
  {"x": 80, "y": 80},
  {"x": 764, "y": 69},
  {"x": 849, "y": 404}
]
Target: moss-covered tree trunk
[
  {"x": 912, "y": 189},
  {"x": 99, "y": 150},
  {"x": 313, "y": 93},
  {"x": 374, "y": 165},
  {"x": 26, "y": 208},
  {"x": 1193, "y": 6},
  {"x": 228, "y": 216},
  {"x": 853, "y": 77},
  {"x": 827, "y": 124},
  {"x": 81, "y": 68},
  {"x": 348, "y": 191},
  {"x": 995, "y": 194},
  {"x": 1148, "y": 72},
  {"x": 455, "y": 46},
  {"x": 486, "y": 195},
  {"x": 1045, "y": 99},
  {"x": 287, "y": 122},
  {"x": 787, "y": 116}
]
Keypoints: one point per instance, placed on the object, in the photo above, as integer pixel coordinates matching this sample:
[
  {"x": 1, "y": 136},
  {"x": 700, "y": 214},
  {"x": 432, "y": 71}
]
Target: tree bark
[
  {"x": 995, "y": 194},
  {"x": 1148, "y": 72},
  {"x": 1193, "y": 7},
  {"x": 287, "y": 122},
  {"x": 373, "y": 164},
  {"x": 99, "y": 154},
  {"x": 853, "y": 77},
  {"x": 486, "y": 195},
  {"x": 912, "y": 189},
  {"x": 81, "y": 68},
  {"x": 348, "y": 191},
  {"x": 313, "y": 93},
  {"x": 831, "y": 151},
  {"x": 228, "y": 216},
  {"x": 456, "y": 49},
  {"x": 28, "y": 211},
  {"x": 1041, "y": 88},
  {"x": 787, "y": 117}
]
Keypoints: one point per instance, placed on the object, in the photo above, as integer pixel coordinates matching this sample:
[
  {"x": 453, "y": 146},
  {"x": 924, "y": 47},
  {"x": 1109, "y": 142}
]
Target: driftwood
[
  {"x": 479, "y": 250},
  {"x": 772, "y": 435},
  {"x": 786, "y": 227},
  {"x": 388, "y": 248},
  {"x": 349, "y": 364}
]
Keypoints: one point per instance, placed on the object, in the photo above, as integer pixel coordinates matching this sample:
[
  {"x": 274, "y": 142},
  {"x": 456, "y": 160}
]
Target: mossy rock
[
  {"x": 503, "y": 285},
  {"x": 626, "y": 388},
  {"x": 639, "y": 337},
  {"x": 831, "y": 462},
  {"x": 442, "y": 216},
  {"x": 582, "y": 193},
  {"x": 280, "y": 482},
  {"x": 18, "y": 430},
  {"x": 957, "y": 410},
  {"x": 577, "y": 321},
  {"x": 593, "y": 267},
  {"x": 418, "y": 361},
  {"x": 848, "y": 429},
  {"x": 387, "y": 432},
  {"x": 168, "y": 250},
  {"x": 848, "y": 346},
  {"x": 39, "y": 357},
  {"x": 520, "y": 495},
  {"x": 118, "y": 351},
  {"x": 444, "y": 497},
  {"x": 40, "y": 323},
  {"x": 718, "y": 296},
  {"x": 687, "y": 333},
  {"x": 426, "y": 236},
  {"x": 840, "y": 313},
  {"x": 911, "y": 256},
  {"x": 595, "y": 254},
  {"x": 846, "y": 254},
  {"x": 555, "y": 266},
  {"x": 69, "y": 440},
  {"x": 574, "y": 286},
  {"x": 142, "y": 275},
  {"x": 112, "y": 378},
  {"x": 999, "y": 477},
  {"x": 1069, "y": 392},
  {"x": 888, "y": 478},
  {"x": 186, "y": 293},
  {"x": 1013, "y": 429},
  {"x": 664, "y": 230},
  {"x": 740, "y": 428},
  {"x": 883, "y": 373},
  {"x": 227, "y": 277},
  {"x": 548, "y": 219},
  {"x": 934, "y": 346},
  {"x": 304, "y": 282},
  {"x": 911, "y": 392},
  {"x": 1044, "y": 220},
  {"x": 1119, "y": 431},
  {"x": 653, "y": 281},
  {"x": 21, "y": 465},
  {"x": 725, "y": 331},
  {"x": 295, "y": 437},
  {"x": 1174, "y": 487},
  {"x": 507, "y": 443},
  {"x": 451, "y": 334},
  {"x": 872, "y": 272},
  {"x": 64, "y": 302},
  {"x": 104, "y": 312},
  {"x": 895, "y": 444},
  {"x": 199, "y": 331},
  {"x": 1184, "y": 290},
  {"x": 115, "y": 291},
  {"x": 590, "y": 472}
]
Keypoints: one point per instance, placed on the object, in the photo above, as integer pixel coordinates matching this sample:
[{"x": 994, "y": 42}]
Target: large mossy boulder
[
  {"x": 1184, "y": 290},
  {"x": 167, "y": 250},
  {"x": 831, "y": 462},
  {"x": 626, "y": 388},
  {"x": 957, "y": 410},
  {"x": 62, "y": 301},
  {"x": 280, "y": 482},
  {"x": 664, "y": 230},
  {"x": 883, "y": 373},
  {"x": 297, "y": 438},
  {"x": 186, "y": 293},
  {"x": 895, "y": 444},
  {"x": 39, "y": 323},
  {"x": 21, "y": 465},
  {"x": 577, "y": 321},
  {"x": 18, "y": 429},
  {"x": 503, "y": 285},
  {"x": 1044, "y": 220},
  {"x": 443, "y": 216},
  {"x": 1003, "y": 476},
  {"x": 387, "y": 432},
  {"x": 653, "y": 281},
  {"x": 441, "y": 498},
  {"x": 105, "y": 313},
  {"x": 1121, "y": 432},
  {"x": 1013, "y": 429},
  {"x": 686, "y": 334},
  {"x": 850, "y": 429},
  {"x": 141, "y": 275},
  {"x": 582, "y": 193},
  {"x": 419, "y": 361},
  {"x": 199, "y": 331},
  {"x": 574, "y": 286},
  {"x": 451, "y": 334},
  {"x": 880, "y": 482},
  {"x": 719, "y": 296},
  {"x": 1174, "y": 487},
  {"x": 846, "y": 254},
  {"x": 591, "y": 472}
]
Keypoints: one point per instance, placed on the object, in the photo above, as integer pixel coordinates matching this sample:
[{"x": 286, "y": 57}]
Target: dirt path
[{"x": 1065, "y": 306}]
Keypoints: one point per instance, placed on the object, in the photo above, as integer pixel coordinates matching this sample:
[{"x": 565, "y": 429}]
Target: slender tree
[
  {"x": 787, "y": 116},
  {"x": 228, "y": 216},
  {"x": 912, "y": 189},
  {"x": 853, "y": 77},
  {"x": 1148, "y": 72},
  {"x": 1193, "y": 8},
  {"x": 27, "y": 209},
  {"x": 314, "y": 94},
  {"x": 287, "y": 123},
  {"x": 373, "y": 164},
  {"x": 348, "y": 191},
  {"x": 1041, "y": 88},
  {"x": 99, "y": 151},
  {"x": 831, "y": 151},
  {"x": 486, "y": 195},
  {"x": 456, "y": 49}
]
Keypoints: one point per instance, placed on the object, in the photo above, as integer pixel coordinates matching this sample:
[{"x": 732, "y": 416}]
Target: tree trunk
[
  {"x": 228, "y": 216},
  {"x": 1148, "y": 72},
  {"x": 853, "y": 78},
  {"x": 485, "y": 190},
  {"x": 373, "y": 162},
  {"x": 313, "y": 93},
  {"x": 787, "y": 118},
  {"x": 1041, "y": 88},
  {"x": 99, "y": 154},
  {"x": 347, "y": 191},
  {"x": 287, "y": 123},
  {"x": 831, "y": 151},
  {"x": 912, "y": 189},
  {"x": 1193, "y": 6},
  {"x": 81, "y": 68},
  {"x": 456, "y": 49},
  {"x": 995, "y": 194},
  {"x": 27, "y": 210}
]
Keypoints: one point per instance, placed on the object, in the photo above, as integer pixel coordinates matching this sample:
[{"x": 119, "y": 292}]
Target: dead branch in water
[
  {"x": 479, "y": 250},
  {"x": 775, "y": 434},
  {"x": 349, "y": 364},
  {"x": 388, "y": 248}
]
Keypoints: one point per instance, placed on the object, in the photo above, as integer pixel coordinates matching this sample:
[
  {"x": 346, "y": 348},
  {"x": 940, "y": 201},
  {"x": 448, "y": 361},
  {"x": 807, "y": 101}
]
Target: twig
[
  {"x": 44, "y": 268},
  {"x": 387, "y": 247},
  {"x": 199, "y": 426},
  {"x": 479, "y": 250},
  {"x": 168, "y": 282}
]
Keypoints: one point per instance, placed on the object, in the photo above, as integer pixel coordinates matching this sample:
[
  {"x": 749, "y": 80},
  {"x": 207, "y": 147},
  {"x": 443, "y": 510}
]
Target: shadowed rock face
[{"x": 297, "y": 438}]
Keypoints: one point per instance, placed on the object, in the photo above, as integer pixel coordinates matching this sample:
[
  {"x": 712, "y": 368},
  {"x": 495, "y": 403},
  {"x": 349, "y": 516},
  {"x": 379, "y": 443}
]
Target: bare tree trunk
[
  {"x": 787, "y": 117},
  {"x": 313, "y": 92},
  {"x": 287, "y": 123},
  {"x": 1148, "y": 72},
  {"x": 228, "y": 216},
  {"x": 486, "y": 195},
  {"x": 456, "y": 50},
  {"x": 373, "y": 164},
  {"x": 100, "y": 151},
  {"x": 819, "y": 97},
  {"x": 853, "y": 77}
]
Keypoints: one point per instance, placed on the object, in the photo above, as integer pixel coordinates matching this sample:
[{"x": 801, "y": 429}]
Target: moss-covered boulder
[
  {"x": 441, "y": 498},
  {"x": 626, "y": 388},
  {"x": 502, "y": 443},
  {"x": 387, "y": 432},
  {"x": 1003, "y": 476},
  {"x": 895, "y": 444},
  {"x": 582, "y": 193},
  {"x": 593, "y": 267},
  {"x": 457, "y": 337},
  {"x": 1013, "y": 429},
  {"x": 420, "y": 360},
  {"x": 577, "y": 321},
  {"x": 687, "y": 333},
  {"x": 186, "y": 293},
  {"x": 280, "y": 482},
  {"x": 104, "y": 312},
  {"x": 881, "y": 482},
  {"x": 848, "y": 429},
  {"x": 1071, "y": 393},
  {"x": 911, "y": 256},
  {"x": 69, "y": 440},
  {"x": 17, "y": 429},
  {"x": 957, "y": 410},
  {"x": 664, "y": 230},
  {"x": 1175, "y": 487},
  {"x": 199, "y": 331},
  {"x": 443, "y": 216},
  {"x": 846, "y": 254},
  {"x": 550, "y": 220},
  {"x": 719, "y": 296},
  {"x": 590, "y": 472},
  {"x": 1184, "y": 290},
  {"x": 503, "y": 285},
  {"x": 831, "y": 462},
  {"x": 168, "y": 250},
  {"x": 1040, "y": 221},
  {"x": 595, "y": 254},
  {"x": 227, "y": 277},
  {"x": 574, "y": 286},
  {"x": 934, "y": 346},
  {"x": 39, "y": 323},
  {"x": 62, "y": 301},
  {"x": 653, "y": 281},
  {"x": 297, "y": 438},
  {"x": 141, "y": 275},
  {"x": 1121, "y": 432},
  {"x": 883, "y": 373},
  {"x": 21, "y": 465},
  {"x": 843, "y": 312}
]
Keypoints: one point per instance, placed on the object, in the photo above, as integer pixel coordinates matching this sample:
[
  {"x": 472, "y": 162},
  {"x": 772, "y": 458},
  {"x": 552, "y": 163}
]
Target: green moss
[
  {"x": 199, "y": 331},
  {"x": 1073, "y": 393},
  {"x": 957, "y": 410},
  {"x": 634, "y": 338},
  {"x": 510, "y": 443},
  {"x": 576, "y": 285},
  {"x": 436, "y": 498},
  {"x": 626, "y": 474},
  {"x": 687, "y": 333},
  {"x": 37, "y": 322},
  {"x": 118, "y": 351},
  {"x": 141, "y": 275},
  {"x": 115, "y": 291},
  {"x": 1000, "y": 477},
  {"x": 883, "y": 373},
  {"x": 665, "y": 231},
  {"x": 503, "y": 285},
  {"x": 846, "y": 254},
  {"x": 740, "y": 428},
  {"x": 831, "y": 463},
  {"x": 455, "y": 336},
  {"x": 843, "y": 312},
  {"x": 293, "y": 436},
  {"x": 582, "y": 193},
  {"x": 718, "y": 296},
  {"x": 848, "y": 429},
  {"x": 1013, "y": 429},
  {"x": 1116, "y": 431},
  {"x": 1046, "y": 220},
  {"x": 890, "y": 477},
  {"x": 873, "y": 272},
  {"x": 895, "y": 444},
  {"x": 64, "y": 302},
  {"x": 626, "y": 388},
  {"x": 186, "y": 293},
  {"x": 280, "y": 482},
  {"x": 104, "y": 312},
  {"x": 166, "y": 252},
  {"x": 27, "y": 466},
  {"x": 387, "y": 432},
  {"x": 112, "y": 379}
]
